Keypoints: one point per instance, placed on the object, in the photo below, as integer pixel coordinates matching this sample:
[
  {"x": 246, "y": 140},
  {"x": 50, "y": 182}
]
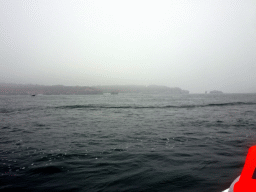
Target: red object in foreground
[{"x": 247, "y": 180}]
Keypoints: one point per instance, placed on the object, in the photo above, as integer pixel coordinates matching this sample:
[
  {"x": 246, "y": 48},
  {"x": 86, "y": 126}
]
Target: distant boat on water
[{"x": 33, "y": 95}]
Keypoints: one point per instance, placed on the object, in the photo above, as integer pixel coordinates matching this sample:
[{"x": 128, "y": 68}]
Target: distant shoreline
[{"x": 29, "y": 89}]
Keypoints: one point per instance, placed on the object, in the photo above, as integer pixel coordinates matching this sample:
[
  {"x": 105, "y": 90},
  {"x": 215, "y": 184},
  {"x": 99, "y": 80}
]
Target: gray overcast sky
[{"x": 196, "y": 45}]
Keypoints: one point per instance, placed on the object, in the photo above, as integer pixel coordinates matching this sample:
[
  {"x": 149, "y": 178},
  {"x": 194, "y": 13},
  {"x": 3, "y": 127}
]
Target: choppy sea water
[{"x": 125, "y": 142}]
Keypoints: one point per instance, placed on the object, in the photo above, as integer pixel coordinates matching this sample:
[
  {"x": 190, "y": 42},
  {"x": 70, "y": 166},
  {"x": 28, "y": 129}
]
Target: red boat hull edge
[{"x": 231, "y": 188}]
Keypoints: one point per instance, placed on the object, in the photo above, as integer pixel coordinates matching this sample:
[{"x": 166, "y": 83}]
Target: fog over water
[{"x": 199, "y": 45}]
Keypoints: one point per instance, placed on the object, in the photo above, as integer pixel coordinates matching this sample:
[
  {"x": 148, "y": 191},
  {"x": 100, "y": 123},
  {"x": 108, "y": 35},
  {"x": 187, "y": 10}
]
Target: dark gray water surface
[{"x": 125, "y": 142}]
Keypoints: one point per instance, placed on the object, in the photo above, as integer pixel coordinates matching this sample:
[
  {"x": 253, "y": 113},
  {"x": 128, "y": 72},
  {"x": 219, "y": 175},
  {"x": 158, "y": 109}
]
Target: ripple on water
[{"x": 46, "y": 170}]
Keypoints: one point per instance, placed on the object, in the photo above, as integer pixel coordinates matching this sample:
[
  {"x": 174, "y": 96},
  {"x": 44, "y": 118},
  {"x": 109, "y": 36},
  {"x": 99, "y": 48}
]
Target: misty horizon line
[
  {"x": 126, "y": 85},
  {"x": 113, "y": 85},
  {"x": 2, "y": 83},
  {"x": 99, "y": 85}
]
